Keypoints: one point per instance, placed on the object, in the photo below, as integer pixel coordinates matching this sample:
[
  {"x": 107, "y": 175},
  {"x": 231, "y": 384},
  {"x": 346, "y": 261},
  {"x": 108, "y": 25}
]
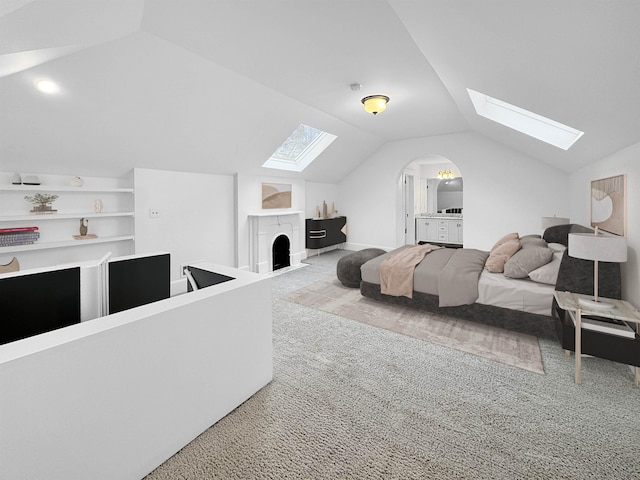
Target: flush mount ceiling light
[
  {"x": 47, "y": 86},
  {"x": 375, "y": 103},
  {"x": 524, "y": 121}
]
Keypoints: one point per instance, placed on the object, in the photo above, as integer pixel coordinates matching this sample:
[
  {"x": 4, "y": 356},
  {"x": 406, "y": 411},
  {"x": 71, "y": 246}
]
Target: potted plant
[{"x": 41, "y": 202}]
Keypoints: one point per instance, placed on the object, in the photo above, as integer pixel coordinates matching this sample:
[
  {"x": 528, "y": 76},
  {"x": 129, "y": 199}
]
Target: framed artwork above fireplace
[{"x": 276, "y": 195}]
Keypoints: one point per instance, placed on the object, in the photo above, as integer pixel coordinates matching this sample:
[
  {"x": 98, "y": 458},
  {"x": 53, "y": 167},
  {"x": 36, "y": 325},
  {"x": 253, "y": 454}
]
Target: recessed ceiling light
[
  {"x": 47, "y": 86},
  {"x": 524, "y": 121}
]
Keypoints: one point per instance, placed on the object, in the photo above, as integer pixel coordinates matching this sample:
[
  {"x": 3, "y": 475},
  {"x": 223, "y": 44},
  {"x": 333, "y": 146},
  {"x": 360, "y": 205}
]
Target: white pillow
[
  {"x": 557, "y": 247},
  {"x": 548, "y": 273}
]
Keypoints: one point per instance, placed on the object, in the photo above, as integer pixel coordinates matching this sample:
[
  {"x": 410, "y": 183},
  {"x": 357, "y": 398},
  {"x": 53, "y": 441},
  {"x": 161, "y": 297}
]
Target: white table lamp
[
  {"x": 597, "y": 247},
  {"x": 547, "y": 222}
]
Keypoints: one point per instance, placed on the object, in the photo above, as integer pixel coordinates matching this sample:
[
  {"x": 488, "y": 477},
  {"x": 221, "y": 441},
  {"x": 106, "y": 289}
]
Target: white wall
[
  {"x": 316, "y": 193},
  {"x": 504, "y": 191},
  {"x": 196, "y": 216},
  {"x": 249, "y": 195},
  {"x": 622, "y": 162}
]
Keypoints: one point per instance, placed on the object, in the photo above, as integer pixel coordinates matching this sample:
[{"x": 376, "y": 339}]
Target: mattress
[{"x": 516, "y": 294}]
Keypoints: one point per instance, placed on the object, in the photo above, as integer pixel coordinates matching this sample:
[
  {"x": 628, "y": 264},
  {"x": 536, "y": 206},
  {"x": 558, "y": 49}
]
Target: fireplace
[
  {"x": 280, "y": 252},
  {"x": 274, "y": 241}
]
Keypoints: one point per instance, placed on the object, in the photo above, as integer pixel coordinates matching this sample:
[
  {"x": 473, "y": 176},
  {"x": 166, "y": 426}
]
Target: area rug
[{"x": 505, "y": 346}]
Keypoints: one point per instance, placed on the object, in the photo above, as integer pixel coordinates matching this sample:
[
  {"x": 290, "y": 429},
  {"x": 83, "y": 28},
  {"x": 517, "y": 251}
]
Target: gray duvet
[{"x": 450, "y": 273}]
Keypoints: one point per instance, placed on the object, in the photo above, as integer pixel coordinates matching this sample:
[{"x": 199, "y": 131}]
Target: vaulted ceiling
[{"x": 215, "y": 86}]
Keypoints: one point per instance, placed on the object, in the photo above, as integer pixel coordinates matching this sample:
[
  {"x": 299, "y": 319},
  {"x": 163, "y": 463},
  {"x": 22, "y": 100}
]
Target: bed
[{"x": 521, "y": 304}]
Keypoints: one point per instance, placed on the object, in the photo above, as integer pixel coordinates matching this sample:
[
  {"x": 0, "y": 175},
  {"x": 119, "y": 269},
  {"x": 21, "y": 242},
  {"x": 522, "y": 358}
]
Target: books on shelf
[
  {"x": 607, "y": 325},
  {"x": 10, "y": 237},
  {"x": 17, "y": 229}
]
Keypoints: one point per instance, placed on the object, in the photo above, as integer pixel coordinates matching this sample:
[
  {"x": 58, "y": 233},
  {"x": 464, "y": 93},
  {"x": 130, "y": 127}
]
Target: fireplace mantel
[{"x": 264, "y": 228}]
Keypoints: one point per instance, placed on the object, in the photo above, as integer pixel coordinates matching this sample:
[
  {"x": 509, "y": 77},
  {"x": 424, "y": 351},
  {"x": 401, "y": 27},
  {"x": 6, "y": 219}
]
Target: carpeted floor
[
  {"x": 497, "y": 344},
  {"x": 353, "y": 401}
]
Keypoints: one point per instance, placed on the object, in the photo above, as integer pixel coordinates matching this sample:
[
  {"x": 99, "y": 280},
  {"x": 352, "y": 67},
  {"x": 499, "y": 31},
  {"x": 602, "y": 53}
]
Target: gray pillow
[
  {"x": 527, "y": 260},
  {"x": 532, "y": 241}
]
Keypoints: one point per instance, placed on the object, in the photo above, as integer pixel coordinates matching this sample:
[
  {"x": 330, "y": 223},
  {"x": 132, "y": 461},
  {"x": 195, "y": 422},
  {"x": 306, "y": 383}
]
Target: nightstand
[{"x": 620, "y": 310}]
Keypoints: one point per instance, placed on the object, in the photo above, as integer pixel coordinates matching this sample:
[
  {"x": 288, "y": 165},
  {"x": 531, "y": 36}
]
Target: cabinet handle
[{"x": 317, "y": 233}]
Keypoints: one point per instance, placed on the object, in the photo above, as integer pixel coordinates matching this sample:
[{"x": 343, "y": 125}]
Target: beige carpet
[{"x": 497, "y": 344}]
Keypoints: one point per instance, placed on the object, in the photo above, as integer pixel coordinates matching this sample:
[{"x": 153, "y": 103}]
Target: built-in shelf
[
  {"x": 63, "y": 188},
  {"x": 62, "y": 216},
  {"x": 113, "y": 224},
  {"x": 64, "y": 244}
]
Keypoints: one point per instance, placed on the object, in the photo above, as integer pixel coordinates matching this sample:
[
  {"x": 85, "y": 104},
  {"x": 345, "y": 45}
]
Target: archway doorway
[{"x": 437, "y": 198}]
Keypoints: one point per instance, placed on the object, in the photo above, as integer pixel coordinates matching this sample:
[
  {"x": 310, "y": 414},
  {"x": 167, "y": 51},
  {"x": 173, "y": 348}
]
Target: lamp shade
[
  {"x": 547, "y": 222},
  {"x": 601, "y": 248},
  {"x": 375, "y": 103}
]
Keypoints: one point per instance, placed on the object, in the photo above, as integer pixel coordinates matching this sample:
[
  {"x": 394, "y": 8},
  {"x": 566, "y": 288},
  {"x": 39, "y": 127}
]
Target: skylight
[
  {"x": 524, "y": 121},
  {"x": 300, "y": 149}
]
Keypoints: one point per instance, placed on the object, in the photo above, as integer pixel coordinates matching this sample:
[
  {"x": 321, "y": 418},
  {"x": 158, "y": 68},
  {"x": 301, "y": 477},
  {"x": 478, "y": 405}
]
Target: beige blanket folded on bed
[{"x": 396, "y": 271}]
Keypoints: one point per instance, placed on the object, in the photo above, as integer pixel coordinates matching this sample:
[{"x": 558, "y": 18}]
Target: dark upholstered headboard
[{"x": 575, "y": 274}]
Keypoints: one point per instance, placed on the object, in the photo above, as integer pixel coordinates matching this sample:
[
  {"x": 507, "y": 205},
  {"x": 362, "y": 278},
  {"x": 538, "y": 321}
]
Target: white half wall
[
  {"x": 195, "y": 216},
  {"x": 114, "y": 397},
  {"x": 623, "y": 162},
  {"x": 504, "y": 191}
]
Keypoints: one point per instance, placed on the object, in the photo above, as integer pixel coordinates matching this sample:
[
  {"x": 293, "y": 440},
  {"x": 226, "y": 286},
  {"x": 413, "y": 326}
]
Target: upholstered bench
[{"x": 348, "y": 269}]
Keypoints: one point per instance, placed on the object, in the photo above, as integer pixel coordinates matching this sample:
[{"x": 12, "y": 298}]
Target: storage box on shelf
[{"x": 106, "y": 205}]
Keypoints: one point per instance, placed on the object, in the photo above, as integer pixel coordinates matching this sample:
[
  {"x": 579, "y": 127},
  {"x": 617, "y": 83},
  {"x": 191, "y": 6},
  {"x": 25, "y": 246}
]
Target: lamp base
[{"x": 592, "y": 304}]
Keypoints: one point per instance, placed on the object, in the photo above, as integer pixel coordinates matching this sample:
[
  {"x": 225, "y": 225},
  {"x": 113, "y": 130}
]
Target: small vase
[{"x": 84, "y": 226}]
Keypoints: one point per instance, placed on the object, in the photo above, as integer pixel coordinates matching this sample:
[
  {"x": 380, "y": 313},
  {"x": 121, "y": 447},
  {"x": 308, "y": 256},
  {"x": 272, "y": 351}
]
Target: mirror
[{"x": 449, "y": 195}]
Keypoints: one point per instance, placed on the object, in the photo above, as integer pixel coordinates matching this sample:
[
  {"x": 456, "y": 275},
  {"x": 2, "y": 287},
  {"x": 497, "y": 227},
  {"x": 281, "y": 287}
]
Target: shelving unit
[
  {"x": 62, "y": 188},
  {"x": 113, "y": 225},
  {"x": 68, "y": 243}
]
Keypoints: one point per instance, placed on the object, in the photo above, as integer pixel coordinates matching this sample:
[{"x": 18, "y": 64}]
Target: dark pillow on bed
[
  {"x": 526, "y": 260},
  {"x": 560, "y": 233}
]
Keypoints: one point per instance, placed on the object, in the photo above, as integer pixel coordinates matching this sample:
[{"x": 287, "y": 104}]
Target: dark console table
[{"x": 325, "y": 232}]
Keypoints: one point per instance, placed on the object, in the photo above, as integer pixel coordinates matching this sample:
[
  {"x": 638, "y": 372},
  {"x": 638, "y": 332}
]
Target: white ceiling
[{"x": 215, "y": 86}]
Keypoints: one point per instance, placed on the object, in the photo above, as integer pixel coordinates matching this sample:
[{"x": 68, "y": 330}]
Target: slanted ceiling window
[
  {"x": 300, "y": 149},
  {"x": 524, "y": 121}
]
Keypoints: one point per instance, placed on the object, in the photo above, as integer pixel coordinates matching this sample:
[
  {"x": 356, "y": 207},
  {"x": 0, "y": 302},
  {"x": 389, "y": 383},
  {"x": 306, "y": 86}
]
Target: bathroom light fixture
[
  {"x": 446, "y": 174},
  {"x": 47, "y": 86},
  {"x": 375, "y": 103}
]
